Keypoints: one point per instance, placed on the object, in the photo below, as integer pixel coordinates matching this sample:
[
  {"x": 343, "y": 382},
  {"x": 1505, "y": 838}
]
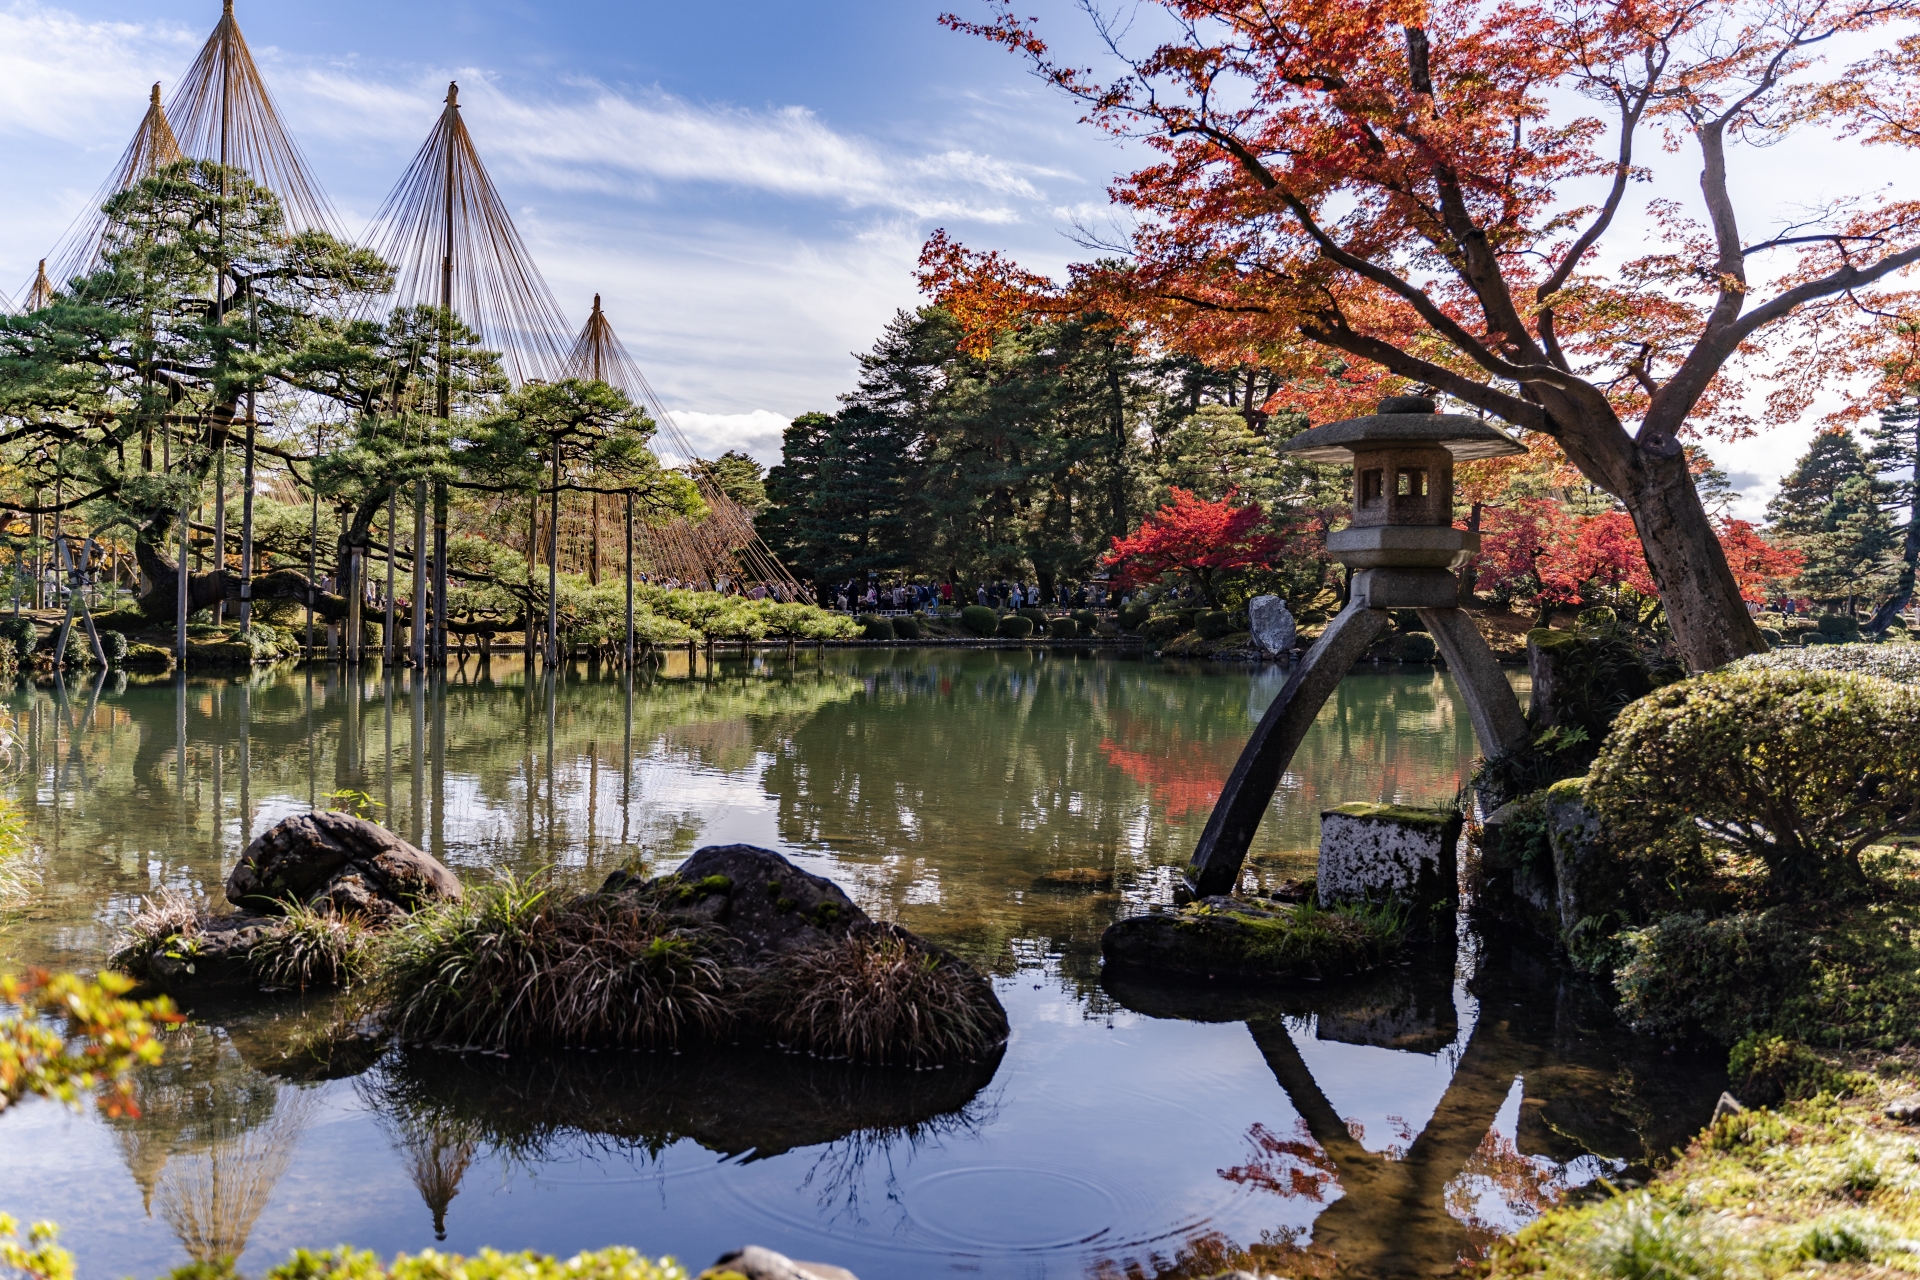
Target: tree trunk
[
  {"x": 1648, "y": 473},
  {"x": 1709, "y": 618},
  {"x": 1909, "y": 558}
]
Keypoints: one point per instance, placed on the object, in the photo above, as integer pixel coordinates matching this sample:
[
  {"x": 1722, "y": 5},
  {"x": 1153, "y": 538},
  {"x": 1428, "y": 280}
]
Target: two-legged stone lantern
[{"x": 1401, "y": 544}]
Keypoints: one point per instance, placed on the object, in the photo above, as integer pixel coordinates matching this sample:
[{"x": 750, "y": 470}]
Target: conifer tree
[
  {"x": 1895, "y": 456},
  {"x": 1829, "y": 509}
]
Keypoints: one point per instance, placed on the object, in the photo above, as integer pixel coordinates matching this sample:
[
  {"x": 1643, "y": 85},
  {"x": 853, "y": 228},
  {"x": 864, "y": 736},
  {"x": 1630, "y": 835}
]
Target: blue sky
[{"x": 748, "y": 185}]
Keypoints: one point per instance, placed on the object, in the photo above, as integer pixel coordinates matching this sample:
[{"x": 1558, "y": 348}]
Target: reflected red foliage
[
  {"x": 1295, "y": 1167},
  {"x": 1184, "y": 778}
]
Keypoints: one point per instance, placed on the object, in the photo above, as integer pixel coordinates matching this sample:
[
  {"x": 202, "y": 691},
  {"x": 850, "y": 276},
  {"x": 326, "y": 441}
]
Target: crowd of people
[{"x": 875, "y": 596}]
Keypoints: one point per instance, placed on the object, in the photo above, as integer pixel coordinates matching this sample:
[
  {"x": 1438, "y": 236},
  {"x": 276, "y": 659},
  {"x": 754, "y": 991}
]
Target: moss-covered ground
[{"x": 1829, "y": 1186}]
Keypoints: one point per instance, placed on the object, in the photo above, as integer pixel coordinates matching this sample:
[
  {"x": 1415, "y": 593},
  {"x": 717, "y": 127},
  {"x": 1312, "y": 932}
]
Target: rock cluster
[
  {"x": 334, "y": 861},
  {"x": 330, "y": 862},
  {"x": 763, "y": 901}
]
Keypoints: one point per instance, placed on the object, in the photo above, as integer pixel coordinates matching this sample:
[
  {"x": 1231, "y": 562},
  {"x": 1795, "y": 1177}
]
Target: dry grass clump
[
  {"x": 169, "y": 919},
  {"x": 512, "y": 966},
  {"x": 313, "y": 948},
  {"x": 878, "y": 996}
]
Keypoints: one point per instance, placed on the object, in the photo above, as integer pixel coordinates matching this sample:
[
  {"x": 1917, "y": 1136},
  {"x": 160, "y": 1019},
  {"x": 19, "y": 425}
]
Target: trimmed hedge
[
  {"x": 875, "y": 627},
  {"x": 1799, "y": 770},
  {"x": 1015, "y": 627},
  {"x": 980, "y": 620},
  {"x": 1213, "y": 624},
  {"x": 1063, "y": 629},
  {"x": 906, "y": 628},
  {"x": 1415, "y": 646},
  {"x": 1087, "y": 620}
]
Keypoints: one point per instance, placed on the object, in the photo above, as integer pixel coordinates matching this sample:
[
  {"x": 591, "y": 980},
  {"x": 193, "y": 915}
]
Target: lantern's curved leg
[
  {"x": 1236, "y": 815},
  {"x": 1491, "y": 704}
]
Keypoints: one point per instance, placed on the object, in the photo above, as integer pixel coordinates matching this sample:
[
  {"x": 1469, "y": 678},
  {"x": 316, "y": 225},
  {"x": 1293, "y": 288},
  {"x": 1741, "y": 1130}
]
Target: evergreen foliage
[{"x": 1829, "y": 508}]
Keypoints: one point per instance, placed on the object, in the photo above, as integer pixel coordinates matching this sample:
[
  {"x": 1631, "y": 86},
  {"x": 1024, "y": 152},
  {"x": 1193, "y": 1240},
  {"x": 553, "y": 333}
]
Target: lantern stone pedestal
[{"x": 1401, "y": 544}]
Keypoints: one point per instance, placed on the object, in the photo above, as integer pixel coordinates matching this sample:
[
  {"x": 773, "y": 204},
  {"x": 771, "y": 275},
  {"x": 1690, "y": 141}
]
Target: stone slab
[{"x": 1377, "y": 853}]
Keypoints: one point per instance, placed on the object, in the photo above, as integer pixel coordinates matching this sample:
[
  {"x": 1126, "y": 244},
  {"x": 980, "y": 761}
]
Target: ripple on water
[{"x": 996, "y": 1208}]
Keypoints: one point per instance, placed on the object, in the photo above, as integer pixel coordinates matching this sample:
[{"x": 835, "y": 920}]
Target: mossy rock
[
  {"x": 147, "y": 657},
  {"x": 1405, "y": 815},
  {"x": 1231, "y": 938}
]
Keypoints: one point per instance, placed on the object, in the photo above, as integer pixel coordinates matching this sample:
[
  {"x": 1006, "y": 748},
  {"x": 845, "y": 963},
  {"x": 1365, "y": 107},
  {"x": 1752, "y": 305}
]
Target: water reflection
[
  {"x": 1008, "y": 804},
  {"x": 1540, "y": 1095},
  {"x": 213, "y": 1138}
]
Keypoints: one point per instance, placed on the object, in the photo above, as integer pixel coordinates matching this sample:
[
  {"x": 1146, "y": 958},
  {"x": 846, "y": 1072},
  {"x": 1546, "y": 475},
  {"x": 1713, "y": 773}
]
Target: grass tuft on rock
[
  {"x": 515, "y": 966},
  {"x": 169, "y": 920},
  {"x": 315, "y": 949},
  {"x": 877, "y": 996}
]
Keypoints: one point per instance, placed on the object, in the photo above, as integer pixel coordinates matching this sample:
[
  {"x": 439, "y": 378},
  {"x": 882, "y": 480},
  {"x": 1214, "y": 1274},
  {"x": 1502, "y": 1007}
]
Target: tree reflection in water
[
  {"x": 213, "y": 1138},
  {"x": 1546, "y": 1094}
]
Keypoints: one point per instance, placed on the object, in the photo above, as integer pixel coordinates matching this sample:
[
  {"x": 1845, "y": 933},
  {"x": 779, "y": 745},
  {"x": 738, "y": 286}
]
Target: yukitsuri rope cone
[{"x": 725, "y": 544}]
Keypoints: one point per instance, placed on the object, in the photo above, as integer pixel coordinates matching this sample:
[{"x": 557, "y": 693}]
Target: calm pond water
[{"x": 1388, "y": 1127}]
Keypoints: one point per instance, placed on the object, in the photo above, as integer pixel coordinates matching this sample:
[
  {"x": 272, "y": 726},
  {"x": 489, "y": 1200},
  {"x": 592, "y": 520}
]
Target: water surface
[{"x": 1390, "y": 1126}]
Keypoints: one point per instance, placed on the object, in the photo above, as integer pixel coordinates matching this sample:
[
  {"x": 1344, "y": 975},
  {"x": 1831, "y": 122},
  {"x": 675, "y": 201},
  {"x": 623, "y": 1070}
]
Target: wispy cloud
[
  {"x": 744, "y": 251},
  {"x": 590, "y": 137}
]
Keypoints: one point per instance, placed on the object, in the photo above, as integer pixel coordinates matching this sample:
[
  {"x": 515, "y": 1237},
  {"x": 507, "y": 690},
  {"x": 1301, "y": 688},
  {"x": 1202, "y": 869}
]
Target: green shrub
[
  {"x": 875, "y": 627},
  {"x": 1163, "y": 627},
  {"x": 1015, "y": 627},
  {"x": 9, "y": 662},
  {"x": 1063, "y": 629},
  {"x": 1840, "y": 626},
  {"x": 1213, "y": 623},
  {"x": 1765, "y": 1069},
  {"x": 1728, "y": 977},
  {"x": 1135, "y": 616},
  {"x": 24, "y": 635},
  {"x": 115, "y": 643},
  {"x": 78, "y": 654},
  {"x": 1039, "y": 619},
  {"x": 906, "y": 628},
  {"x": 1800, "y": 770},
  {"x": 1087, "y": 620},
  {"x": 344, "y": 1263},
  {"x": 1888, "y": 662},
  {"x": 1773, "y": 638},
  {"x": 1415, "y": 646},
  {"x": 979, "y": 620}
]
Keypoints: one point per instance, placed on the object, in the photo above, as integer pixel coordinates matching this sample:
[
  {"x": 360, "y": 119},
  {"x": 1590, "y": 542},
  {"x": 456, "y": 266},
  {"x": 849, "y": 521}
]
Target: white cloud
[
  {"x": 637, "y": 146},
  {"x": 712, "y": 434}
]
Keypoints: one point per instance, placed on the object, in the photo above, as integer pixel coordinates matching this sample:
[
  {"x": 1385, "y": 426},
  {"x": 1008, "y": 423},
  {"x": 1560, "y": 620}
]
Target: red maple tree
[
  {"x": 1447, "y": 192},
  {"x": 1193, "y": 538},
  {"x": 1762, "y": 568},
  {"x": 1513, "y": 540},
  {"x": 1603, "y": 552}
]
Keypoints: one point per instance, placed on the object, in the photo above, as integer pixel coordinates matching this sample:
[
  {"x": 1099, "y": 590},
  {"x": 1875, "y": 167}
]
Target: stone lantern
[{"x": 1401, "y": 545}]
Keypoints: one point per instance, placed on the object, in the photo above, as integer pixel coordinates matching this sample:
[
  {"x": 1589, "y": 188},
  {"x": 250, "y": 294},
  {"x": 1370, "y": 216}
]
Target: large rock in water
[
  {"x": 1383, "y": 852},
  {"x": 764, "y": 901},
  {"x": 1272, "y": 625},
  {"x": 335, "y": 861}
]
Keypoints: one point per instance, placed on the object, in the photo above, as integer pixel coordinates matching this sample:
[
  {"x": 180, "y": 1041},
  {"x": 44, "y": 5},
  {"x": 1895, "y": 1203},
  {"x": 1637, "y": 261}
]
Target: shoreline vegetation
[{"x": 1731, "y": 852}]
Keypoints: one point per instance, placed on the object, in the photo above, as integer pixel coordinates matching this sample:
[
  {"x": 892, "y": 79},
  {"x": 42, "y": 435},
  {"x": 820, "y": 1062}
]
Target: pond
[{"x": 1384, "y": 1127}]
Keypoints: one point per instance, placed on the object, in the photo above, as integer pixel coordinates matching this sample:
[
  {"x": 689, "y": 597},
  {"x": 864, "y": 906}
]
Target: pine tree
[
  {"x": 841, "y": 506},
  {"x": 1896, "y": 457},
  {"x": 1829, "y": 509}
]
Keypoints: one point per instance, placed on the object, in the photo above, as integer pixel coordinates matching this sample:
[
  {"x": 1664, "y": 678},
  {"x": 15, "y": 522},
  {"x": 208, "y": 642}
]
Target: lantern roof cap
[{"x": 1403, "y": 420}]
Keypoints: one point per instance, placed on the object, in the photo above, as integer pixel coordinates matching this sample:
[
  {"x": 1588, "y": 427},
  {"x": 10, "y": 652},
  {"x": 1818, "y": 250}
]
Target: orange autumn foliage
[{"x": 1351, "y": 190}]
